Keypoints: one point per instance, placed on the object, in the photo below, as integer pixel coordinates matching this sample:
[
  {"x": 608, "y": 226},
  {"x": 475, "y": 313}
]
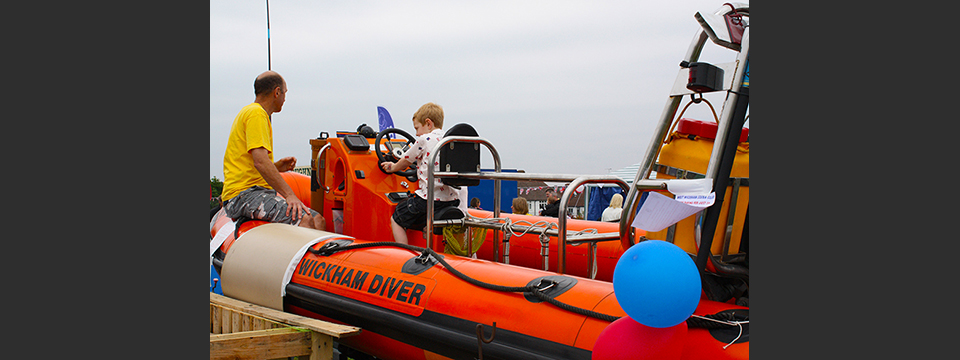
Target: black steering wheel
[{"x": 394, "y": 151}]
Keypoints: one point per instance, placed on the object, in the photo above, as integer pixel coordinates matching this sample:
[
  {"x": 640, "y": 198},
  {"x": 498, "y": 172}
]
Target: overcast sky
[{"x": 568, "y": 87}]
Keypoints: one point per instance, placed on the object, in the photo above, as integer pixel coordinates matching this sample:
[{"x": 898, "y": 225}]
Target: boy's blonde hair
[{"x": 429, "y": 111}]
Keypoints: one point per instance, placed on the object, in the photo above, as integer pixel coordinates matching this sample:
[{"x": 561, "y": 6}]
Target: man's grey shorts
[{"x": 260, "y": 203}]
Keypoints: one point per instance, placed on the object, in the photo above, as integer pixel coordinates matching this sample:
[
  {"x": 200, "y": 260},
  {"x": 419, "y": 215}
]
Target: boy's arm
[
  {"x": 404, "y": 161},
  {"x": 395, "y": 166}
]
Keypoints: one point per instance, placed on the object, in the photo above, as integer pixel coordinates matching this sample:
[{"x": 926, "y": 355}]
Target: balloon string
[
  {"x": 737, "y": 338},
  {"x": 731, "y": 323}
]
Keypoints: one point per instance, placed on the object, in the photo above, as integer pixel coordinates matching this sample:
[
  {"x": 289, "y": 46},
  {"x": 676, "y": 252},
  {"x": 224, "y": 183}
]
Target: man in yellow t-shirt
[{"x": 252, "y": 185}]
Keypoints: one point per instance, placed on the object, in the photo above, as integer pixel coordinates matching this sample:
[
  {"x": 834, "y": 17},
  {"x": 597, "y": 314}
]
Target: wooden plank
[
  {"x": 246, "y": 322},
  {"x": 321, "y": 346},
  {"x": 235, "y": 322},
  {"x": 257, "y": 323},
  {"x": 215, "y": 319},
  {"x": 244, "y": 318},
  {"x": 225, "y": 321},
  {"x": 257, "y": 333},
  {"x": 262, "y": 344},
  {"x": 324, "y": 327}
]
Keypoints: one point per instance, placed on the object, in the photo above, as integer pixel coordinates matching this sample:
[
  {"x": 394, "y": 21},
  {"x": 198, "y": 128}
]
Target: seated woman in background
[{"x": 612, "y": 212}]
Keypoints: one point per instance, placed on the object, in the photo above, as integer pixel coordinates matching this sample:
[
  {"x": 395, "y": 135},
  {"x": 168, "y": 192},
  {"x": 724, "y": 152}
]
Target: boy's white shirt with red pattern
[{"x": 419, "y": 153}]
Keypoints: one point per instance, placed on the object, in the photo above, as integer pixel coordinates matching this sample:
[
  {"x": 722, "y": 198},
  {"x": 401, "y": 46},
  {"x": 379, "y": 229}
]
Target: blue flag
[{"x": 386, "y": 121}]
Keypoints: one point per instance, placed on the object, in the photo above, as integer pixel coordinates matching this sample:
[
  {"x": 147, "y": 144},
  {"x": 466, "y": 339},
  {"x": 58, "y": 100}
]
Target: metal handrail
[
  {"x": 496, "y": 186},
  {"x": 497, "y": 176},
  {"x": 326, "y": 189},
  {"x": 561, "y": 232},
  {"x": 562, "y": 223},
  {"x": 572, "y": 237},
  {"x": 510, "y": 176}
]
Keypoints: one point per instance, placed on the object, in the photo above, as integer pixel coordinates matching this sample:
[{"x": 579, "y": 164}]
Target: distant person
[
  {"x": 612, "y": 212},
  {"x": 412, "y": 212},
  {"x": 475, "y": 203},
  {"x": 519, "y": 206},
  {"x": 553, "y": 204},
  {"x": 252, "y": 185}
]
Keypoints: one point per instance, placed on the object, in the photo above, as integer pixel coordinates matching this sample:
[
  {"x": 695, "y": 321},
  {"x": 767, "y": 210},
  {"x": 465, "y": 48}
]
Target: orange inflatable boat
[
  {"x": 524, "y": 294},
  {"x": 417, "y": 304},
  {"x": 414, "y": 302}
]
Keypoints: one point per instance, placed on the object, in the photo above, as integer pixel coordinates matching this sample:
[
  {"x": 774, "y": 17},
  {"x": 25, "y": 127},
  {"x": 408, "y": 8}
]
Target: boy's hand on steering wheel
[{"x": 387, "y": 166}]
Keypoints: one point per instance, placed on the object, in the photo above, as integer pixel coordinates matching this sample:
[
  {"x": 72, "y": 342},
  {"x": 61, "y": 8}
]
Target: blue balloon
[{"x": 657, "y": 284}]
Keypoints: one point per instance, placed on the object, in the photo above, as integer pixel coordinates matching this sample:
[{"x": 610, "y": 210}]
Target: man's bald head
[
  {"x": 271, "y": 91},
  {"x": 267, "y": 82}
]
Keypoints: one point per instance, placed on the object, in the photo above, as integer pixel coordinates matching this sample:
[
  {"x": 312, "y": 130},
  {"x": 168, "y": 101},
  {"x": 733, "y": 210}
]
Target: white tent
[{"x": 627, "y": 174}]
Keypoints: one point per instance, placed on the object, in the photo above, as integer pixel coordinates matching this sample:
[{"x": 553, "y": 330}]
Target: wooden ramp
[{"x": 241, "y": 330}]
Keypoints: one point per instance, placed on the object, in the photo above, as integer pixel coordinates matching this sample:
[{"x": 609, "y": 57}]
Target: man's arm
[{"x": 271, "y": 173}]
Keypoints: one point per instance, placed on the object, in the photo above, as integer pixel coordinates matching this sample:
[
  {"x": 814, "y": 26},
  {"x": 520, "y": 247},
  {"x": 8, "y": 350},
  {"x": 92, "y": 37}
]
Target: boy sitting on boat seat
[{"x": 412, "y": 212}]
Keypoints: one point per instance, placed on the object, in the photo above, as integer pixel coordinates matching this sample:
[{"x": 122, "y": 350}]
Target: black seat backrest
[
  {"x": 447, "y": 213},
  {"x": 460, "y": 156}
]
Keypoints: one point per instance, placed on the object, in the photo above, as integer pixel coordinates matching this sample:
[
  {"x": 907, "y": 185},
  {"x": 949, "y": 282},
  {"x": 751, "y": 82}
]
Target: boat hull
[{"x": 429, "y": 312}]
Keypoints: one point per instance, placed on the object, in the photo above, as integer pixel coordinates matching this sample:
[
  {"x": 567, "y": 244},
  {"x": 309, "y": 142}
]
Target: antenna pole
[{"x": 268, "y": 35}]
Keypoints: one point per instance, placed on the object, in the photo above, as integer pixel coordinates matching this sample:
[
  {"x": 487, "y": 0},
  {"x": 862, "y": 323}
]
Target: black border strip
[{"x": 435, "y": 332}]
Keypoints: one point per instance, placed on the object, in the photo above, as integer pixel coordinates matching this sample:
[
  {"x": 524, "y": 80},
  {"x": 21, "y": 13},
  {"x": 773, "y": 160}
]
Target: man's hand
[
  {"x": 271, "y": 173},
  {"x": 286, "y": 164},
  {"x": 295, "y": 208}
]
